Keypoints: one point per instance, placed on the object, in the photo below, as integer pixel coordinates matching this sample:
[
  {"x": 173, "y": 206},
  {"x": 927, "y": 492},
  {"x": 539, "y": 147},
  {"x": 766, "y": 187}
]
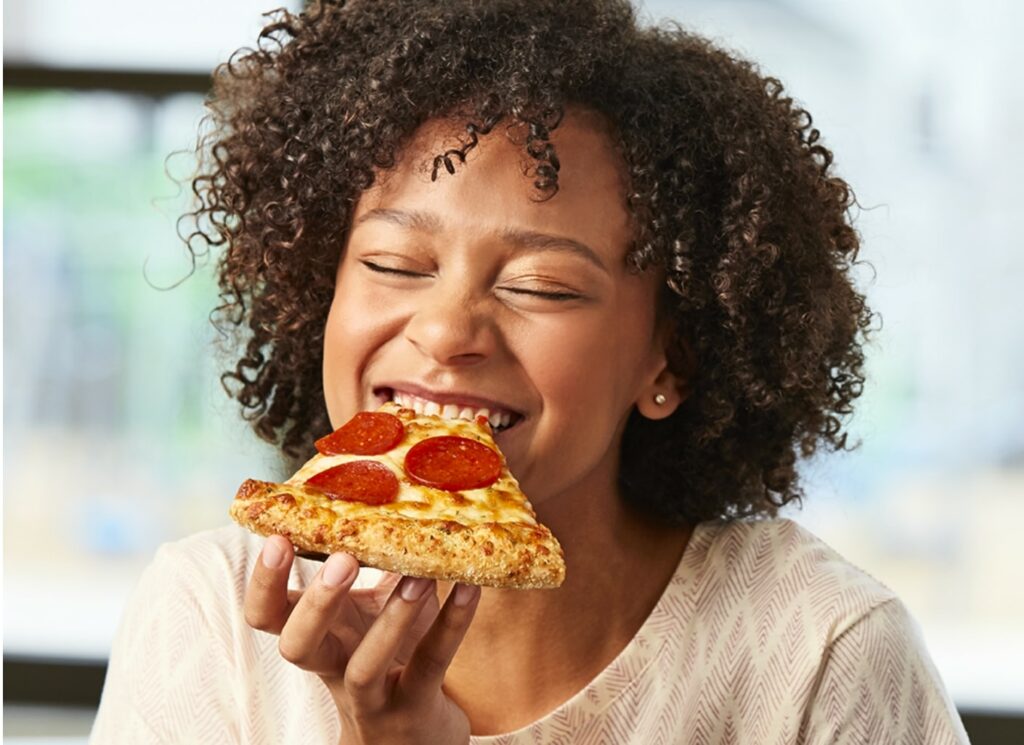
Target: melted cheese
[{"x": 499, "y": 502}]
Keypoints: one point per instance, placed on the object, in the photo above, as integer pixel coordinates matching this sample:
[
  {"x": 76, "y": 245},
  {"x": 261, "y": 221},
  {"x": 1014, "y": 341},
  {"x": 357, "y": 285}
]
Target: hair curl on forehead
[{"x": 732, "y": 193}]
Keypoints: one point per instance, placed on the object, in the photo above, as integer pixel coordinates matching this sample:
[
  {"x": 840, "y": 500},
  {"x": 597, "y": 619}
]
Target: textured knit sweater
[{"x": 763, "y": 635}]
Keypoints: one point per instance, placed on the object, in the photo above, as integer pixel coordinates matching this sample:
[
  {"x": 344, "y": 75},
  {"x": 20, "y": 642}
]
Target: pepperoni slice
[
  {"x": 367, "y": 433},
  {"x": 358, "y": 481},
  {"x": 453, "y": 463}
]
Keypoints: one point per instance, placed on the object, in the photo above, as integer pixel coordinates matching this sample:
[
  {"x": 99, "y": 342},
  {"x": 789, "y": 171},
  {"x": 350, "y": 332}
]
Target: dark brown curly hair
[{"x": 732, "y": 193}]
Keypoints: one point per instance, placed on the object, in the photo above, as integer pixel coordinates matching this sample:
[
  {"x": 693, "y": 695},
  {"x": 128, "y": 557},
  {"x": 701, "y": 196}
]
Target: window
[{"x": 117, "y": 436}]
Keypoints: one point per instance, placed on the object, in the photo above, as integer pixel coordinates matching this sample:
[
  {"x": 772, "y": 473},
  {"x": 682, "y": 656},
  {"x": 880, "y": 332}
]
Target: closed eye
[
  {"x": 390, "y": 270},
  {"x": 557, "y": 296}
]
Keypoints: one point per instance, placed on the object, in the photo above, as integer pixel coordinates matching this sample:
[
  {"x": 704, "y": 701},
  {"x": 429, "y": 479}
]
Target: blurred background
[{"x": 117, "y": 436}]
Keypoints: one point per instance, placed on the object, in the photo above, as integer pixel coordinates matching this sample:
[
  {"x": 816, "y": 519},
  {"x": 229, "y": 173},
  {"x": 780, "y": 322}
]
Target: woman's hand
[{"x": 382, "y": 653}]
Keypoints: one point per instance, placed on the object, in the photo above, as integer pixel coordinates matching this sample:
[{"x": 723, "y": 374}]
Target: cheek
[
  {"x": 595, "y": 363},
  {"x": 337, "y": 378},
  {"x": 350, "y": 321},
  {"x": 586, "y": 377},
  {"x": 354, "y": 331}
]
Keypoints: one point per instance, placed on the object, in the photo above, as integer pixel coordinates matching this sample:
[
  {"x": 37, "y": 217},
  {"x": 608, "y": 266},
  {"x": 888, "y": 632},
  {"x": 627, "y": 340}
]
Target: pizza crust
[{"x": 496, "y": 554}]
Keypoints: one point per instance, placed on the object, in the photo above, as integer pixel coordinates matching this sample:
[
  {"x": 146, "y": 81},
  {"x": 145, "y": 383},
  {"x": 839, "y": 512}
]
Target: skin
[{"x": 469, "y": 290}]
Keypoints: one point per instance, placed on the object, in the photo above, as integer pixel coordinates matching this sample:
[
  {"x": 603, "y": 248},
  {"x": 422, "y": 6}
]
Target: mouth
[{"x": 452, "y": 406}]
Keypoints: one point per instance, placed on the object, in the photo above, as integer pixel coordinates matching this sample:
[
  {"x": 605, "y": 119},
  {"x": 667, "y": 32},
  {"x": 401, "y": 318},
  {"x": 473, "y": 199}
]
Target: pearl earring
[{"x": 659, "y": 398}]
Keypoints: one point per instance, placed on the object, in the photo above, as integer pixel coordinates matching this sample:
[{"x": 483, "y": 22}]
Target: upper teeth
[{"x": 497, "y": 418}]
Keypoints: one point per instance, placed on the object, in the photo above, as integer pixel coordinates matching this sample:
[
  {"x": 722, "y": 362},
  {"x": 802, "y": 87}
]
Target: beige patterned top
[{"x": 763, "y": 635}]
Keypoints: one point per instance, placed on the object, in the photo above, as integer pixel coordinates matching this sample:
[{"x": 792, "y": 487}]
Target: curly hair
[{"x": 732, "y": 194}]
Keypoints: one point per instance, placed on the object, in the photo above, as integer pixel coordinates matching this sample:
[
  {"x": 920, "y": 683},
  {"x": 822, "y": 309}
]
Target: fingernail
[
  {"x": 464, "y": 594},
  {"x": 273, "y": 555},
  {"x": 413, "y": 588},
  {"x": 337, "y": 569}
]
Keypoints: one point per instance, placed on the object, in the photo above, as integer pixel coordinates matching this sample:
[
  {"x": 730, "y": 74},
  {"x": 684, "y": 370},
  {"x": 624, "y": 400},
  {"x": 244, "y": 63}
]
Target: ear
[
  {"x": 661, "y": 398},
  {"x": 671, "y": 384}
]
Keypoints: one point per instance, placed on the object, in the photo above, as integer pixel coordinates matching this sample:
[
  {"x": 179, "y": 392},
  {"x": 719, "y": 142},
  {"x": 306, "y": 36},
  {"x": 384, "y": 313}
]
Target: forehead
[{"x": 493, "y": 190}]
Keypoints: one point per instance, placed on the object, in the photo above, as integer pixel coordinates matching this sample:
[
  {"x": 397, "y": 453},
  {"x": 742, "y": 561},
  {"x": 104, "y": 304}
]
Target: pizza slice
[{"x": 410, "y": 493}]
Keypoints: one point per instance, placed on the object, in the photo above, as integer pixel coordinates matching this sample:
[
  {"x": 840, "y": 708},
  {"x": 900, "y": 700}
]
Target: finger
[
  {"x": 306, "y": 638},
  {"x": 369, "y": 664},
  {"x": 267, "y": 601},
  {"x": 425, "y": 618},
  {"x": 426, "y": 670},
  {"x": 378, "y": 594}
]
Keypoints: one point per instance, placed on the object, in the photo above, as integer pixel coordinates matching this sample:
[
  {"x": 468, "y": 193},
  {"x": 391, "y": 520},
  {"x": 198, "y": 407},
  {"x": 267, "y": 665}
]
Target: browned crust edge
[{"x": 511, "y": 555}]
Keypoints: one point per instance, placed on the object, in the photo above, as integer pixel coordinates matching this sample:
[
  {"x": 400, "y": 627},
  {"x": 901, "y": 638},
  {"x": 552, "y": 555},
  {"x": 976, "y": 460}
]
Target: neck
[{"x": 617, "y": 565}]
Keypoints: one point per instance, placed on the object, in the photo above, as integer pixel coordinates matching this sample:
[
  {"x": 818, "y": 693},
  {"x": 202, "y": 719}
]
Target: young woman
[{"x": 633, "y": 244}]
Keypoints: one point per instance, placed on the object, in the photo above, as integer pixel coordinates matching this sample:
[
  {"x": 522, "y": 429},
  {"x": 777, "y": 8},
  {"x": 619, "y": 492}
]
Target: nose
[{"x": 451, "y": 327}]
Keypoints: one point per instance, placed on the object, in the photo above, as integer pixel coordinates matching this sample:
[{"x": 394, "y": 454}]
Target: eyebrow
[{"x": 425, "y": 222}]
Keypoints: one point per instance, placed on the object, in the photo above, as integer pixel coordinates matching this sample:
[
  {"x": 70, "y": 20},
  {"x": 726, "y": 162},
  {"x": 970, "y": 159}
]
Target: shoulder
[
  {"x": 176, "y": 639},
  {"x": 215, "y": 566},
  {"x": 183, "y": 639},
  {"x": 796, "y": 637},
  {"x": 774, "y": 568},
  {"x": 200, "y": 577},
  {"x": 212, "y": 568},
  {"x": 210, "y": 559},
  {"x": 225, "y": 552}
]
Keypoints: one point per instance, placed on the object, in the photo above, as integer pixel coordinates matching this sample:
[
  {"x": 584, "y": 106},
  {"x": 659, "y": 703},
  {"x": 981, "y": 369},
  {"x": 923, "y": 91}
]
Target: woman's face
[{"x": 467, "y": 293}]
